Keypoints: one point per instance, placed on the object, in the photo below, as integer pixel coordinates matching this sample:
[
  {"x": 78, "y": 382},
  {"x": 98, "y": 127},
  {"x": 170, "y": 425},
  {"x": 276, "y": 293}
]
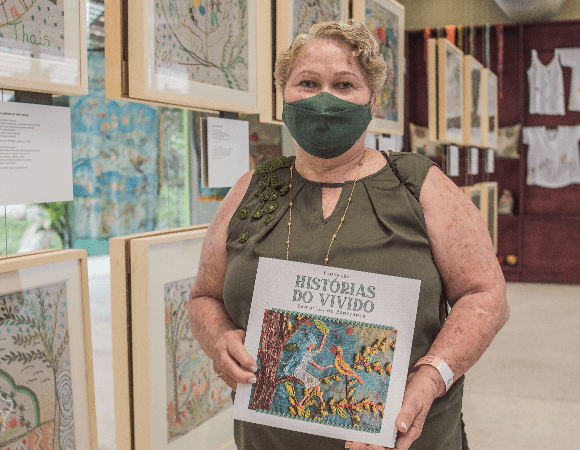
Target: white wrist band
[{"x": 443, "y": 369}]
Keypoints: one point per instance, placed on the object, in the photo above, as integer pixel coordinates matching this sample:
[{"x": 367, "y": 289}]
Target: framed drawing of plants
[
  {"x": 386, "y": 21},
  {"x": 164, "y": 378},
  {"x": 43, "y": 46},
  {"x": 193, "y": 54},
  {"x": 490, "y": 126},
  {"x": 472, "y": 102},
  {"x": 295, "y": 16},
  {"x": 451, "y": 121},
  {"x": 47, "y": 397}
]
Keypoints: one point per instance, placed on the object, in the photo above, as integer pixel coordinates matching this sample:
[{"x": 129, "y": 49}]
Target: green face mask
[{"x": 326, "y": 126}]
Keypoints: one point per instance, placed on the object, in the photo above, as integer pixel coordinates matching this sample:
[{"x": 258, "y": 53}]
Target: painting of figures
[
  {"x": 194, "y": 393},
  {"x": 36, "y": 397},
  {"x": 325, "y": 370}
]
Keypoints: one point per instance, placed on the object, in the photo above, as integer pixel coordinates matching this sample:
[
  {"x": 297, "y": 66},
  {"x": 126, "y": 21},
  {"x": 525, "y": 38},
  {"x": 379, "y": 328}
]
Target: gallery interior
[{"x": 160, "y": 106}]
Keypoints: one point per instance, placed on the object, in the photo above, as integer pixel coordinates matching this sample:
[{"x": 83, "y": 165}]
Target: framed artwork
[
  {"x": 474, "y": 194},
  {"x": 43, "y": 46},
  {"x": 47, "y": 397},
  {"x": 489, "y": 208},
  {"x": 199, "y": 54},
  {"x": 386, "y": 21},
  {"x": 162, "y": 376},
  {"x": 295, "y": 16},
  {"x": 450, "y": 93},
  {"x": 490, "y": 126},
  {"x": 472, "y": 102},
  {"x": 432, "y": 89}
]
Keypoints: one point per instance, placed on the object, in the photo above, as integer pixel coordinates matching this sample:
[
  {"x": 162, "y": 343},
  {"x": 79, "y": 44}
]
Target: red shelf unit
[{"x": 544, "y": 232}]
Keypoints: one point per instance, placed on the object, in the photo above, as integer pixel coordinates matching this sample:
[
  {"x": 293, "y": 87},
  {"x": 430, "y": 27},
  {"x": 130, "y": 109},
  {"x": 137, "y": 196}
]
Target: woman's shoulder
[
  {"x": 412, "y": 168},
  {"x": 410, "y": 161}
]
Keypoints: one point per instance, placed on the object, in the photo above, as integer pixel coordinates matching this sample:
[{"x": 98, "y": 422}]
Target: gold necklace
[{"x": 360, "y": 164}]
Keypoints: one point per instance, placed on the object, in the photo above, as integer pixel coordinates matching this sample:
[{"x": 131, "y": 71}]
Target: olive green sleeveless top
[{"x": 384, "y": 232}]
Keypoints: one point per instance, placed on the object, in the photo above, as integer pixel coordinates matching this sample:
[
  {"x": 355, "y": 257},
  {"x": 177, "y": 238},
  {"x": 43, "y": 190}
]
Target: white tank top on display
[{"x": 546, "y": 86}]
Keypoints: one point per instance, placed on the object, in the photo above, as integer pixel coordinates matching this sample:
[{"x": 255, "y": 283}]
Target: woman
[{"x": 341, "y": 204}]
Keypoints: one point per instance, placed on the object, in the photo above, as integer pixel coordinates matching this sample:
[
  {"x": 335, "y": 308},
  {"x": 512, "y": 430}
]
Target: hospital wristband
[{"x": 443, "y": 369}]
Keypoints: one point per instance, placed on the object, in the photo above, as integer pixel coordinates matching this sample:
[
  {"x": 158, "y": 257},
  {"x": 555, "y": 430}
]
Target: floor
[{"x": 522, "y": 394}]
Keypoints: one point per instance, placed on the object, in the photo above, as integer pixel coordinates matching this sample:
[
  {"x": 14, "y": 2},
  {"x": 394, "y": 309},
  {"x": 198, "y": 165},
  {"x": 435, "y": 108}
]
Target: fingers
[
  {"x": 227, "y": 379},
  {"x": 419, "y": 395},
  {"x": 361, "y": 446},
  {"x": 233, "y": 362}
]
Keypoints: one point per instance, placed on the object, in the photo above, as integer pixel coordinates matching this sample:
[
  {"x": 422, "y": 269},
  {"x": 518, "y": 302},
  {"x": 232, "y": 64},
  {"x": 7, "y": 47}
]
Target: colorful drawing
[
  {"x": 307, "y": 13},
  {"x": 384, "y": 24},
  {"x": 114, "y": 162},
  {"x": 323, "y": 370},
  {"x": 32, "y": 28},
  {"x": 453, "y": 89},
  {"x": 205, "y": 41},
  {"x": 194, "y": 393},
  {"x": 36, "y": 399}
]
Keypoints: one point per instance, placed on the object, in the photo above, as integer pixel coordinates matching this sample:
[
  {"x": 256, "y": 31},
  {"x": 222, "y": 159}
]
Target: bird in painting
[{"x": 343, "y": 367}]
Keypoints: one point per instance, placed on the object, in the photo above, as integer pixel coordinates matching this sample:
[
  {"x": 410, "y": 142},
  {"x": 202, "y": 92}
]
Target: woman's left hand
[{"x": 423, "y": 387}]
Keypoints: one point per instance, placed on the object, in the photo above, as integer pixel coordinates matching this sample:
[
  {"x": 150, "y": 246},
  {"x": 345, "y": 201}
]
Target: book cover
[{"x": 332, "y": 347}]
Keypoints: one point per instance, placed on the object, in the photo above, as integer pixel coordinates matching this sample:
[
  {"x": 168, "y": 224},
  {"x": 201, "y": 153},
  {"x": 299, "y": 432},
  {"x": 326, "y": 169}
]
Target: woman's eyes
[
  {"x": 308, "y": 84},
  {"x": 345, "y": 85},
  {"x": 342, "y": 85}
]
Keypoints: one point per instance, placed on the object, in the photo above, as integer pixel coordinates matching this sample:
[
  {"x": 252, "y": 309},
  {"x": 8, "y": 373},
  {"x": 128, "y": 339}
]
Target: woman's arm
[
  {"x": 475, "y": 287},
  {"x": 210, "y": 323}
]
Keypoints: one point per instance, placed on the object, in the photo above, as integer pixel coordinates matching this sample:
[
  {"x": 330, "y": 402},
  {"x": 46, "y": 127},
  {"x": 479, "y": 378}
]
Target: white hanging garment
[
  {"x": 546, "y": 86},
  {"x": 553, "y": 157},
  {"x": 570, "y": 57}
]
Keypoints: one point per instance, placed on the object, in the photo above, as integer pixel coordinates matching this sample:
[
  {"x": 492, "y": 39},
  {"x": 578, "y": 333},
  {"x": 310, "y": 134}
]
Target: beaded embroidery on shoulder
[{"x": 269, "y": 189}]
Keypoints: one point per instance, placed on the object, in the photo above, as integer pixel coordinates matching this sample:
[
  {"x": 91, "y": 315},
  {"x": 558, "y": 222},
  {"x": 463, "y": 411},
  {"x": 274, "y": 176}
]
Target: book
[{"x": 332, "y": 347}]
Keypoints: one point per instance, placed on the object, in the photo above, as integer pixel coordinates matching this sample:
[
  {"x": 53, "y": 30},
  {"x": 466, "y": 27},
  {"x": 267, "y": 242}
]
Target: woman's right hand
[{"x": 232, "y": 361}]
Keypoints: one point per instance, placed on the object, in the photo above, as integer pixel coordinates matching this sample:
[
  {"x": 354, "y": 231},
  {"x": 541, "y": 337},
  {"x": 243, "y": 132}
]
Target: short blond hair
[{"x": 365, "y": 50}]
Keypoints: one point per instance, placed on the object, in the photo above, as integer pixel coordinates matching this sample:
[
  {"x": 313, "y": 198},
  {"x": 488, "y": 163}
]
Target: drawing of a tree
[
  {"x": 276, "y": 331},
  {"x": 337, "y": 393},
  {"x": 39, "y": 334},
  {"x": 205, "y": 34},
  {"x": 176, "y": 329}
]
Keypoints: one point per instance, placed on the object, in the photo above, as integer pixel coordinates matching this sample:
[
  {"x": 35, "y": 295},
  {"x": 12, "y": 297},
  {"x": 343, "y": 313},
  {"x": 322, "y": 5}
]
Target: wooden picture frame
[
  {"x": 386, "y": 21},
  {"x": 490, "y": 109},
  {"x": 474, "y": 194},
  {"x": 294, "y": 16},
  {"x": 489, "y": 208},
  {"x": 472, "y": 102},
  {"x": 432, "y": 84},
  {"x": 182, "y": 54},
  {"x": 148, "y": 272},
  {"x": 44, "y": 49},
  {"x": 46, "y": 374},
  {"x": 450, "y": 92}
]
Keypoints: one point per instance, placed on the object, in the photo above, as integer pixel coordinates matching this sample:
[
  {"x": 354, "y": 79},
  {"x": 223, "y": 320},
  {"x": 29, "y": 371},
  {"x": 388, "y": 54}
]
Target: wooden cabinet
[{"x": 544, "y": 232}]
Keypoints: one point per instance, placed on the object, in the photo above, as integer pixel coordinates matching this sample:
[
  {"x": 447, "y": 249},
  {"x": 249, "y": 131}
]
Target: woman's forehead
[{"x": 322, "y": 53}]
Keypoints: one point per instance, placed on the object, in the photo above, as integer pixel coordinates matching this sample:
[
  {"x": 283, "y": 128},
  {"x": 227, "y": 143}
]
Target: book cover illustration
[
  {"x": 320, "y": 369},
  {"x": 332, "y": 347}
]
